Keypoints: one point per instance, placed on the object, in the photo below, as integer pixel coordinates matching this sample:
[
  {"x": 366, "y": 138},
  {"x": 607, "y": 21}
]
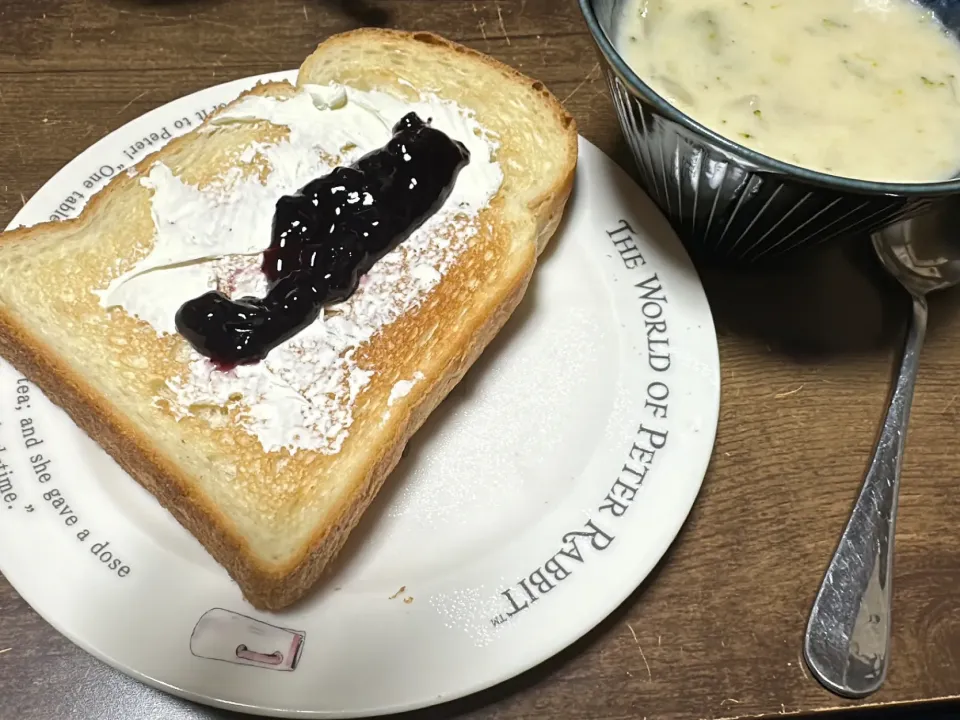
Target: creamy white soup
[{"x": 865, "y": 89}]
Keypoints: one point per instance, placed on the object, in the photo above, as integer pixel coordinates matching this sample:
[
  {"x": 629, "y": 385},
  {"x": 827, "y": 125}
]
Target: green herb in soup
[{"x": 859, "y": 88}]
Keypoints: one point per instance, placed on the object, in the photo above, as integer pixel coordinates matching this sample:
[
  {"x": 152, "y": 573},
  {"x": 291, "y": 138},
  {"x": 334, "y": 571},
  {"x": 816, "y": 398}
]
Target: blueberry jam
[{"x": 325, "y": 237}]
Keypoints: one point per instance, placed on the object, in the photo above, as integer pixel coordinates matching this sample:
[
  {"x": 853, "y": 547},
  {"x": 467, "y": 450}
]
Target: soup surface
[{"x": 865, "y": 89}]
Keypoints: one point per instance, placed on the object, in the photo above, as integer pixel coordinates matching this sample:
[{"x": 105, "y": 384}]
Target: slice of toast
[{"x": 273, "y": 499}]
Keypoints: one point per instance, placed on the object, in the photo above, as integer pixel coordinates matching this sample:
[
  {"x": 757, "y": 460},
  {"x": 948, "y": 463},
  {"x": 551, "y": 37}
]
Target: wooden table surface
[{"x": 807, "y": 352}]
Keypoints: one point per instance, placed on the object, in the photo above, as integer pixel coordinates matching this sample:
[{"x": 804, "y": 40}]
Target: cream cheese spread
[{"x": 213, "y": 237}]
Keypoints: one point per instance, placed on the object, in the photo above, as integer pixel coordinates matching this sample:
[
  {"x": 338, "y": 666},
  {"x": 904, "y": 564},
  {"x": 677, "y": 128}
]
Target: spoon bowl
[{"x": 923, "y": 253}]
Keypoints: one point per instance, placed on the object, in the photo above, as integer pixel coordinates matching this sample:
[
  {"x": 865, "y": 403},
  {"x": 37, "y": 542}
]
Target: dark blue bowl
[{"x": 730, "y": 203}]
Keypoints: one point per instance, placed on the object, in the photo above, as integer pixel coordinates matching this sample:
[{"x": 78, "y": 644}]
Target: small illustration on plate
[{"x": 230, "y": 637}]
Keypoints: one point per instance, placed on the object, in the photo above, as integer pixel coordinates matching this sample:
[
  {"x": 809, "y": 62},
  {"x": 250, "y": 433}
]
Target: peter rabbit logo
[{"x": 234, "y": 638}]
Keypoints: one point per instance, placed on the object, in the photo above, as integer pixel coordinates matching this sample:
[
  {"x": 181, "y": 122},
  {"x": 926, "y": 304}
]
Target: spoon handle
[{"x": 848, "y": 634}]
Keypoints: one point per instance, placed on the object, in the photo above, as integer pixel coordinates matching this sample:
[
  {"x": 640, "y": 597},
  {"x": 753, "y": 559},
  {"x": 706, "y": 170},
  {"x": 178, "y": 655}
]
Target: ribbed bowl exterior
[
  {"x": 728, "y": 208},
  {"x": 722, "y": 209}
]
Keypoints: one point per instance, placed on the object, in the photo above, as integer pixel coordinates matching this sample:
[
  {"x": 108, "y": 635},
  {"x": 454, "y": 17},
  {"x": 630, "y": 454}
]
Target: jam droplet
[{"x": 325, "y": 237}]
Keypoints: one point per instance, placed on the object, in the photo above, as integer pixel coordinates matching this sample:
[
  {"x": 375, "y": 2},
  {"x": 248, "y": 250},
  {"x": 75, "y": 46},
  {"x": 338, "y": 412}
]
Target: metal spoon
[{"x": 848, "y": 634}]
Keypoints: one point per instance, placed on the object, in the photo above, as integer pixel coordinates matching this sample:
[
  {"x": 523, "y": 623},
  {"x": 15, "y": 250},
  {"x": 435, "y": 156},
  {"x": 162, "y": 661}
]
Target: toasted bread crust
[{"x": 265, "y": 585}]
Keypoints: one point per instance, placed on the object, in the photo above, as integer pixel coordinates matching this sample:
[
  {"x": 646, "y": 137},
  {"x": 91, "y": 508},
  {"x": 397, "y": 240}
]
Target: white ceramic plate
[{"x": 535, "y": 500}]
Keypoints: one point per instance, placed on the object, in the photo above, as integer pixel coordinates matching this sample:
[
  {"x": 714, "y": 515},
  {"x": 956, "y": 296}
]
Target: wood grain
[{"x": 807, "y": 352}]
